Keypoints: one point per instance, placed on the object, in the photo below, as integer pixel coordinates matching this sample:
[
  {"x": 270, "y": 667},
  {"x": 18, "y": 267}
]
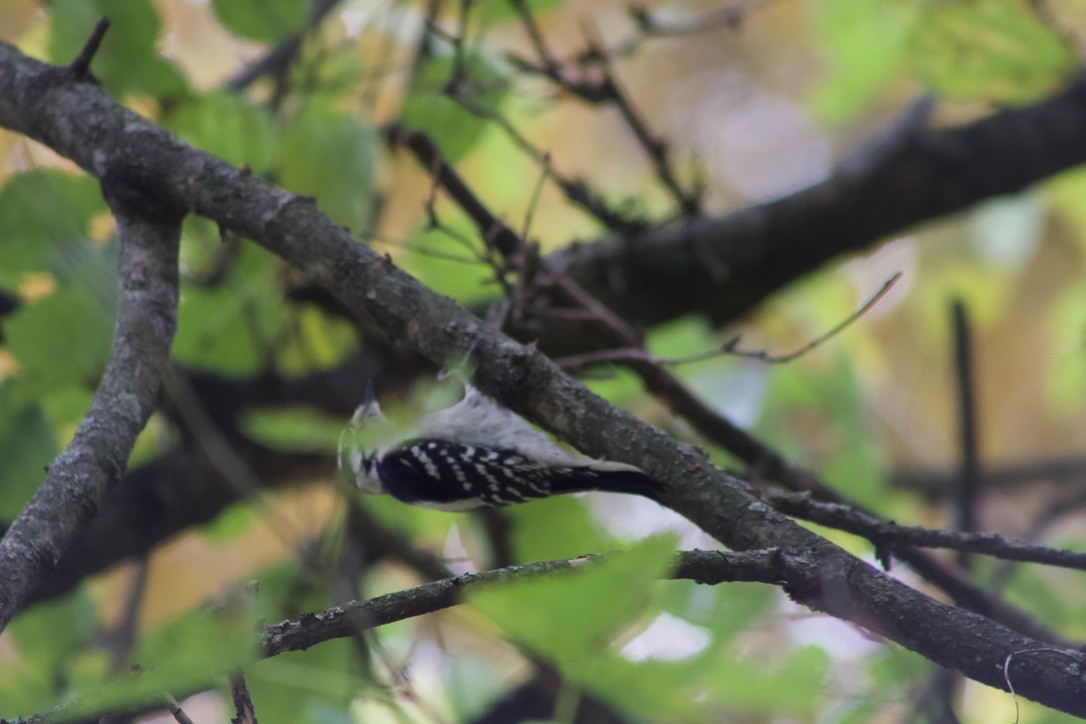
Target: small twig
[
  {"x": 243, "y": 701},
  {"x": 576, "y": 190},
  {"x": 885, "y": 534},
  {"x": 80, "y": 66},
  {"x": 176, "y": 710},
  {"x": 381, "y": 239},
  {"x": 970, "y": 480},
  {"x": 535, "y": 35},
  {"x": 656, "y": 149},
  {"x": 430, "y": 157},
  {"x": 782, "y": 359},
  {"x": 533, "y": 201},
  {"x": 123, "y": 637},
  {"x": 650, "y": 28},
  {"x": 606, "y": 90},
  {"x": 728, "y": 348},
  {"x": 277, "y": 61},
  {"x": 1040, "y": 525}
]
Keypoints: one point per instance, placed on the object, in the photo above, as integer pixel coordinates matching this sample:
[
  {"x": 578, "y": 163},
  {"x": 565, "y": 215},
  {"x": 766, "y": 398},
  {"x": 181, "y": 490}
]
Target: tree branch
[
  {"x": 891, "y": 535},
  {"x": 707, "y": 567},
  {"x": 913, "y": 176},
  {"x": 95, "y": 459}
]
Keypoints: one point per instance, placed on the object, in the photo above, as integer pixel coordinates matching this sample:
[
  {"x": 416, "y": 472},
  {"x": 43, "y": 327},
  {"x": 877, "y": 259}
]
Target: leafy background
[{"x": 758, "y": 111}]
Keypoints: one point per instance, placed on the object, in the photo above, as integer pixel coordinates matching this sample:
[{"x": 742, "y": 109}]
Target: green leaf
[
  {"x": 127, "y": 59},
  {"x": 60, "y": 341},
  {"x": 51, "y": 641},
  {"x": 827, "y": 398},
  {"x": 461, "y": 278},
  {"x": 725, "y": 610},
  {"x": 44, "y": 215},
  {"x": 864, "y": 45},
  {"x": 794, "y": 687},
  {"x": 559, "y": 527},
  {"x": 225, "y": 125},
  {"x": 48, "y": 633},
  {"x": 996, "y": 50},
  {"x": 290, "y": 687},
  {"x": 261, "y": 20},
  {"x": 498, "y": 11},
  {"x": 571, "y": 617},
  {"x": 330, "y": 156},
  {"x": 428, "y": 107},
  {"x": 228, "y": 326},
  {"x": 183, "y": 655},
  {"x": 27, "y": 445},
  {"x": 292, "y": 429},
  {"x": 321, "y": 341}
]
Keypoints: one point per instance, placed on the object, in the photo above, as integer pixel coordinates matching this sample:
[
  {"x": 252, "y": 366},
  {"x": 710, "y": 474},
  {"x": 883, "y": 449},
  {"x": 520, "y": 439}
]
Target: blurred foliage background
[{"x": 756, "y": 106}]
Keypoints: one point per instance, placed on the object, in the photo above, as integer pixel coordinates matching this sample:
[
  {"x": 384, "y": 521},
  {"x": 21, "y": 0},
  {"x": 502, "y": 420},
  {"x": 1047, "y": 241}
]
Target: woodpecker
[{"x": 476, "y": 454}]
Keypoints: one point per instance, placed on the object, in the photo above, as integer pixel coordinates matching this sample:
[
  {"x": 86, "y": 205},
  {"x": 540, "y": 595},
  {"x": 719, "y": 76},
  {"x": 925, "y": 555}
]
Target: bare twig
[
  {"x": 176, "y": 711},
  {"x": 606, "y": 90},
  {"x": 80, "y": 66},
  {"x": 656, "y": 148},
  {"x": 277, "y": 61},
  {"x": 729, "y": 347},
  {"x": 886, "y": 535},
  {"x": 576, "y": 190},
  {"x": 243, "y": 702},
  {"x": 123, "y": 637},
  {"x": 429, "y": 156},
  {"x": 970, "y": 481}
]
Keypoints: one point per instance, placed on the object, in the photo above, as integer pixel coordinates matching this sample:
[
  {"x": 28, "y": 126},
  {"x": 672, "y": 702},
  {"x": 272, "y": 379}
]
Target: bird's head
[{"x": 357, "y": 451}]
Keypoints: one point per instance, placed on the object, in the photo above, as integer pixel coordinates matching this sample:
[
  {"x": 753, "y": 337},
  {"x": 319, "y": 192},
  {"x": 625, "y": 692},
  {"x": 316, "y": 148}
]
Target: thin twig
[
  {"x": 277, "y": 61},
  {"x": 783, "y": 359},
  {"x": 243, "y": 701},
  {"x": 430, "y": 157},
  {"x": 728, "y": 348},
  {"x": 970, "y": 480},
  {"x": 80, "y": 66},
  {"x": 175, "y": 709},
  {"x": 885, "y": 534},
  {"x": 656, "y": 148},
  {"x": 123, "y": 636},
  {"x": 576, "y": 190},
  {"x": 533, "y": 201}
]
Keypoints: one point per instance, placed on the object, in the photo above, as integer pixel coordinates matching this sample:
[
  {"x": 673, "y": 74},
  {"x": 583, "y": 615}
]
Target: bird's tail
[{"x": 607, "y": 477}]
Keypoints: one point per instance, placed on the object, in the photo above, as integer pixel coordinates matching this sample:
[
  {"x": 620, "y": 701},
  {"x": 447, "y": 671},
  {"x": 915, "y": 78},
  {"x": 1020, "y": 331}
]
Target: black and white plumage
[{"x": 476, "y": 454}]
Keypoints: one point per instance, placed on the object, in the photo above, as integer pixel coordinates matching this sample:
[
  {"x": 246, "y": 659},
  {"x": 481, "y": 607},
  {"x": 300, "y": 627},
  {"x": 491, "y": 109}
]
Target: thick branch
[
  {"x": 725, "y": 266},
  {"x": 95, "y": 459},
  {"x": 84, "y": 125}
]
